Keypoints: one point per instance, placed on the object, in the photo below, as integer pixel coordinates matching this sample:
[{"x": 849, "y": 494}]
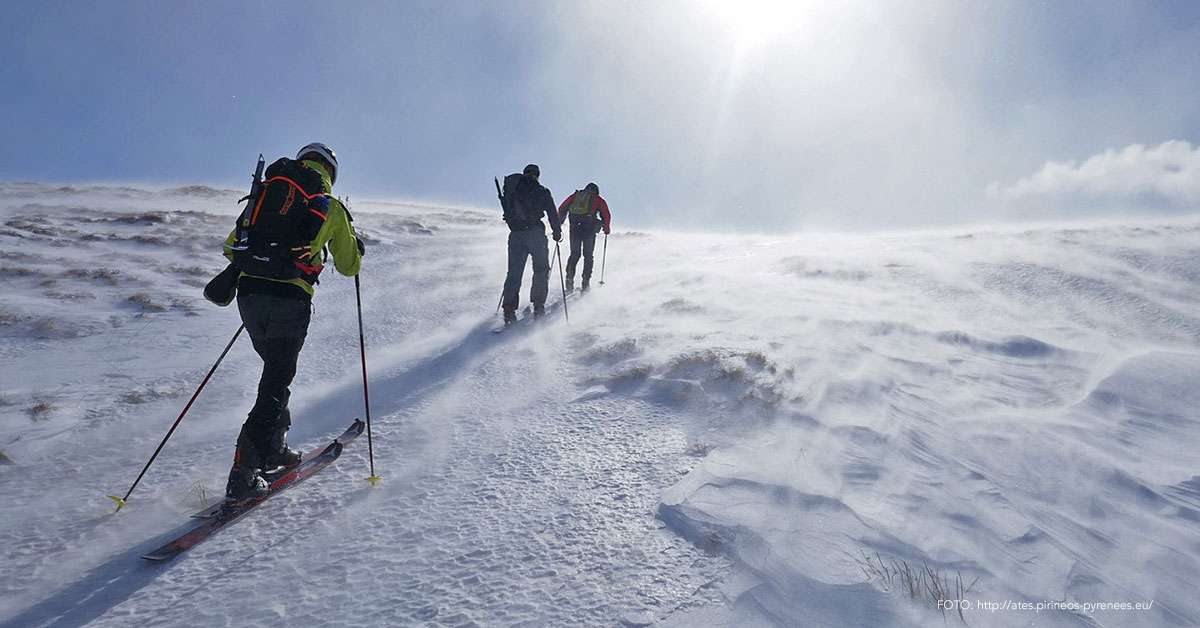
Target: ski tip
[
  {"x": 120, "y": 502},
  {"x": 373, "y": 479}
]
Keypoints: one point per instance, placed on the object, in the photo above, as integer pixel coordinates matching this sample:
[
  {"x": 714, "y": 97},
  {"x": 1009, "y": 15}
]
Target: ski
[
  {"x": 274, "y": 475},
  {"x": 527, "y": 316},
  {"x": 525, "y": 319},
  {"x": 279, "y": 481}
]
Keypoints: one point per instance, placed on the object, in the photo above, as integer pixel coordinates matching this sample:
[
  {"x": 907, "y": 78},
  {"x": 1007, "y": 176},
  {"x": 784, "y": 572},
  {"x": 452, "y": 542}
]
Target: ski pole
[
  {"x": 362, "y": 348},
  {"x": 603, "y": 258},
  {"x": 121, "y": 500},
  {"x": 562, "y": 280}
]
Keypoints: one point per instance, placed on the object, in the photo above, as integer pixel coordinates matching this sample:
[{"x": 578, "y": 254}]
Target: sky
[{"x": 745, "y": 115}]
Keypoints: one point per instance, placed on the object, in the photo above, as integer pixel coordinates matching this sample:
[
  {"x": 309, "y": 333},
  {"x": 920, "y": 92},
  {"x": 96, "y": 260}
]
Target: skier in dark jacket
[
  {"x": 588, "y": 213},
  {"x": 525, "y": 202},
  {"x": 276, "y": 314}
]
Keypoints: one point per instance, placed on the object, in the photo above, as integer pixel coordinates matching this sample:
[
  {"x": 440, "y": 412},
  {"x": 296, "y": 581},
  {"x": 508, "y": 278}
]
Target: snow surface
[{"x": 732, "y": 431}]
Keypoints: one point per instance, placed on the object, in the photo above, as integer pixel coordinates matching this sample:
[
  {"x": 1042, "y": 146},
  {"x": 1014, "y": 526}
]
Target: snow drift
[{"x": 989, "y": 428}]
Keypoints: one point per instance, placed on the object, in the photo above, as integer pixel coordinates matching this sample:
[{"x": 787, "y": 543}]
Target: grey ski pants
[{"x": 523, "y": 244}]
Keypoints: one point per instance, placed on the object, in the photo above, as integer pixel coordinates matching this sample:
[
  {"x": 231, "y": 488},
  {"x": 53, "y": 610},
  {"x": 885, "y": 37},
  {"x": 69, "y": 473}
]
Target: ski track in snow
[{"x": 726, "y": 435}]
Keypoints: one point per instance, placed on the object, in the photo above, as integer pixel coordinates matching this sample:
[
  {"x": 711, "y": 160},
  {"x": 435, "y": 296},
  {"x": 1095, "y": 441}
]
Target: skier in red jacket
[{"x": 589, "y": 215}]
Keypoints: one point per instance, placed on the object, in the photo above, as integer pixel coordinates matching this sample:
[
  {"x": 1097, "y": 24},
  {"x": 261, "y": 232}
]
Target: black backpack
[
  {"x": 276, "y": 230},
  {"x": 518, "y": 203}
]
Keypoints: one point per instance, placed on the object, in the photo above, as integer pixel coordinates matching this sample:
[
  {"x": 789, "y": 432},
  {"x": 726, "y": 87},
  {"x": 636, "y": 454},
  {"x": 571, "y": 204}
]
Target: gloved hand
[
  {"x": 362, "y": 248},
  {"x": 558, "y": 236},
  {"x": 606, "y": 231}
]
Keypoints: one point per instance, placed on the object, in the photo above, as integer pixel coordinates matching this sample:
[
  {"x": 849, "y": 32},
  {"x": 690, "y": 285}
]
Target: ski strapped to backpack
[{"x": 282, "y": 218}]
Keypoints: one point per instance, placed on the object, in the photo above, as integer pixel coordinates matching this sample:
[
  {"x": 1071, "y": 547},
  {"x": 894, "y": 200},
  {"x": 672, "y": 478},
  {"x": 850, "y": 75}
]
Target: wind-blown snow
[{"x": 733, "y": 430}]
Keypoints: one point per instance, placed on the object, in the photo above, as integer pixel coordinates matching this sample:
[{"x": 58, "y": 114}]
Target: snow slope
[{"x": 814, "y": 430}]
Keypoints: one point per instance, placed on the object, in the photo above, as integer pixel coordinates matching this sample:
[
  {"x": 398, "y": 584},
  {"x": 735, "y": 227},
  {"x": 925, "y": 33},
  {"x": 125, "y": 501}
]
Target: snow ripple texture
[{"x": 732, "y": 431}]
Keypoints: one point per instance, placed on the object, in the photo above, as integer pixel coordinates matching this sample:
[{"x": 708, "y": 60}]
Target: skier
[
  {"x": 589, "y": 214},
  {"x": 525, "y": 202},
  {"x": 276, "y": 313}
]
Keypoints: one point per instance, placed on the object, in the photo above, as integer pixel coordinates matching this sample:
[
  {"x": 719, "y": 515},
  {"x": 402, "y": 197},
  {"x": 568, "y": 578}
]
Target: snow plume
[
  {"x": 834, "y": 430},
  {"x": 1166, "y": 176}
]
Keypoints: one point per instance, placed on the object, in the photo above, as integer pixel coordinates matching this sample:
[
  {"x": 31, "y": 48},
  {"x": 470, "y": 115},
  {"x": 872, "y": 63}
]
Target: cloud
[{"x": 1166, "y": 176}]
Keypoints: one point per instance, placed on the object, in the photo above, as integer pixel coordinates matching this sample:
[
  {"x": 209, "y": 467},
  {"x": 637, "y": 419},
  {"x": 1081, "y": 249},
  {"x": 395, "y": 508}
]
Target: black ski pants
[
  {"x": 277, "y": 326},
  {"x": 583, "y": 241}
]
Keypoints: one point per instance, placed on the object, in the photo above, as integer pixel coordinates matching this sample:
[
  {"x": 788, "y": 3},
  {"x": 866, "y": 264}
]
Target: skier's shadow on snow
[
  {"x": 394, "y": 391},
  {"x": 111, "y": 583},
  {"x": 102, "y": 588}
]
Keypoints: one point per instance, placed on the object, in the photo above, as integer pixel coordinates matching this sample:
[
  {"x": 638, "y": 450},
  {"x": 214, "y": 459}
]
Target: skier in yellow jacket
[{"x": 276, "y": 313}]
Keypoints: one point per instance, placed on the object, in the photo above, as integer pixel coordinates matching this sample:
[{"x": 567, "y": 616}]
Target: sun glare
[{"x": 757, "y": 22}]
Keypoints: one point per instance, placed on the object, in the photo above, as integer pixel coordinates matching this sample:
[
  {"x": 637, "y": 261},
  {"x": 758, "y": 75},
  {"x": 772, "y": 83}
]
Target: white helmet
[{"x": 325, "y": 153}]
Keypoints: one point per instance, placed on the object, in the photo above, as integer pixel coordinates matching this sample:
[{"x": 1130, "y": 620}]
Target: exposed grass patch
[
  {"x": 105, "y": 275},
  {"x": 41, "y": 409},
  {"x": 19, "y": 271},
  {"x": 202, "y": 495},
  {"x": 31, "y": 226},
  {"x": 146, "y": 302},
  {"x": 195, "y": 270},
  {"x": 612, "y": 353},
  {"x": 921, "y": 584},
  {"x": 195, "y": 282},
  {"x": 734, "y": 375},
  {"x": 630, "y": 375},
  {"x": 134, "y": 397},
  {"x": 145, "y": 218},
  {"x": 146, "y": 395},
  {"x": 404, "y": 225},
  {"x": 758, "y": 360},
  {"x": 47, "y": 327},
  {"x": 201, "y": 191},
  {"x": 9, "y": 318},
  {"x": 26, "y": 326},
  {"x": 68, "y": 296},
  {"x": 156, "y": 240},
  {"x": 680, "y": 306}
]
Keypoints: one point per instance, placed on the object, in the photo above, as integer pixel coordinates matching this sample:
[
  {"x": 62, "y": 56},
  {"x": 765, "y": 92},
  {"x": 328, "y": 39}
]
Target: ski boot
[
  {"x": 245, "y": 483},
  {"x": 539, "y": 310},
  {"x": 245, "y": 478},
  {"x": 570, "y": 285},
  {"x": 278, "y": 453},
  {"x": 510, "y": 315},
  {"x": 283, "y": 457},
  {"x": 583, "y": 288},
  {"x": 249, "y": 484}
]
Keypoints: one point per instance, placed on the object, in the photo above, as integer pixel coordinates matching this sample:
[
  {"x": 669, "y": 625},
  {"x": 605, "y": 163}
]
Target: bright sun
[{"x": 757, "y": 21}]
